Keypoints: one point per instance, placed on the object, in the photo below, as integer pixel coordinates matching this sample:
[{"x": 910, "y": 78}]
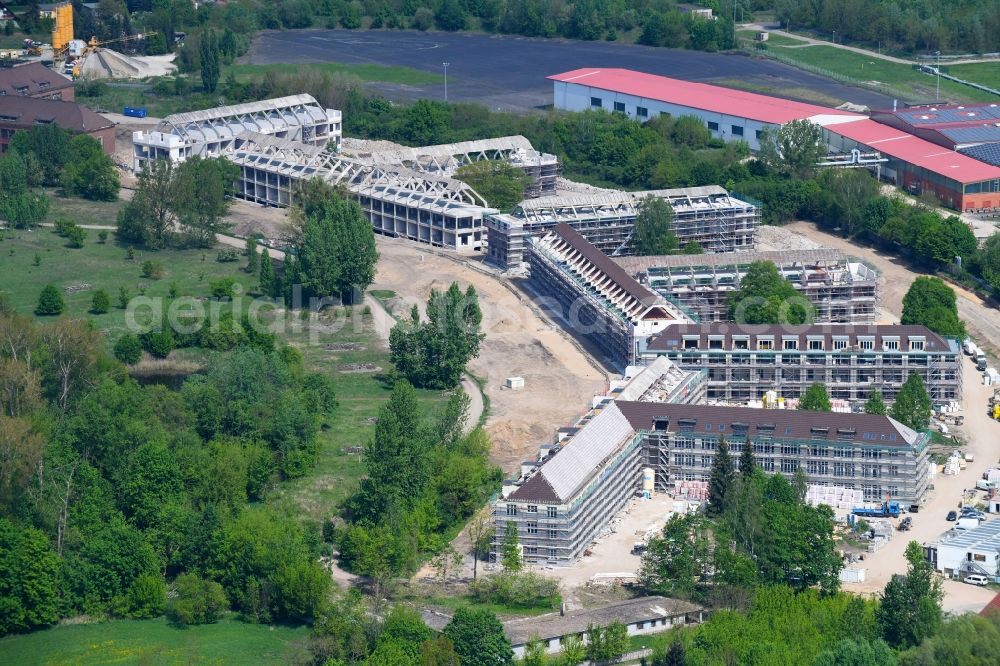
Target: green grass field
[
  {"x": 986, "y": 74},
  {"x": 365, "y": 72},
  {"x": 862, "y": 68},
  {"x": 772, "y": 39},
  {"x": 156, "y": 642}
]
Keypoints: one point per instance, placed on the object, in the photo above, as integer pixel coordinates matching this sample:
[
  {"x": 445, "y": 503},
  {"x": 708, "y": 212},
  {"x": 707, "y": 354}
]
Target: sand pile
[{"x": 108, "y": 64}]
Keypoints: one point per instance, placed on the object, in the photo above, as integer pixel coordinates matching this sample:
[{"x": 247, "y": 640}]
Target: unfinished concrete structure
[
  {"x": 594, "y": 297},
  {"x": 214, "y": 132},
  {"x": 841, "y": 289},
  {"x": 744, "y": 362},
  {"x": 561, "y": 505},
  {"x": 709, "y": 216}
]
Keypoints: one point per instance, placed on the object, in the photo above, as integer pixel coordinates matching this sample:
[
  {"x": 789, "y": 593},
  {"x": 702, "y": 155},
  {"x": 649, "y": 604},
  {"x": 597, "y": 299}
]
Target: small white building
[
  {"x": 961, "y": 552},
  {"x": 645, "y": 615}
]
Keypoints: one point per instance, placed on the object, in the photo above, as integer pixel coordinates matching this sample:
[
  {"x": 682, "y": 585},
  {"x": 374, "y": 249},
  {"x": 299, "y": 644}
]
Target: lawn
[
  {"x": 365, "y": 71},
  {"x": 986, "y": 74},
  {"x": 861, "y": 68},
  {"x": 772, "y": 39},
  {"x": 155, "y": 642}
]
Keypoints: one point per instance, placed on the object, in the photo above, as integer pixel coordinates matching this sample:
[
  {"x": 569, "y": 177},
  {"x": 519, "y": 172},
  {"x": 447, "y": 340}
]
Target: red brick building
[
  {"x": 35, "y": 80},
  {"x": 22, "y": 113}
]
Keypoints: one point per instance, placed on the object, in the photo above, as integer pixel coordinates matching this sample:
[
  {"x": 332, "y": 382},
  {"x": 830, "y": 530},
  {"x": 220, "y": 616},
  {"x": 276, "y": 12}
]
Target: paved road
[{"x": 506, "y": 72}]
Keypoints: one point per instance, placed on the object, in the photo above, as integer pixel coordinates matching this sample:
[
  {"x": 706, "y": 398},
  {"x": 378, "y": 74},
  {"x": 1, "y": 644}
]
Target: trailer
[{"x": 886, "y": 510}]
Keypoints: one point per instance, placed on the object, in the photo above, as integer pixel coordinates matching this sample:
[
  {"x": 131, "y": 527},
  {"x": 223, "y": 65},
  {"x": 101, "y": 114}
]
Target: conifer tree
[{"x": 723, "y": 475}]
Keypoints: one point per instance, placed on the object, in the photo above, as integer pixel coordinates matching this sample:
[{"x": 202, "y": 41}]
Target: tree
[
  {"x": 479, "y": 638},
  {"x": 722, "y": 478},
  {"x": 692, "y": 247},
  {"x": 653, "y": 231},
  {"x": 20, "y": 203},
  {"x": 89, "y": 173},
  {"x": 930, "y": 302},
  {"x": 573, "y": 651},
  {"x": 765, "y": 297},
  {"x": 502, "y": 184},
  {"x": 816, "y": 399},
  {"x": 912, "y": 407},
  {"x": 534, "y": 652},
  {"x": 510, "y": 554},
  {"x": 439, "y": 651},
  {"x": 793, "y": 148},
  {"x": 50, "y": 302},
  {"x": 606, "y": 643},
  {"x": 209, "y": 50},
  {"x": 676, "y": 558},
  {"x": 988, "y": 260},
  {"x": 149, "y": 219},
  {"x": 875, "y": 403},
  {"x": 911, "y": 605},
  {"x": 101, "y": 302},
  {"x": 268, "y": 282},
  {"x": 433, "y": 354},
  {"x": 146, "y": 597},
  {"x": 336, "y": 253},
  {"x": 856, "y": 652},
  {"x": 200, "y": 195},
  {"x": 747, "y": 462},
  {"x": 450, "y": 15},
  {"x": 481, "y": 531},
  {"x": 29, "y": 579},
  {"x": 252, "y": 256},
  {"x": 49, "y": 143},
  {"x": 198, "y": 601}
]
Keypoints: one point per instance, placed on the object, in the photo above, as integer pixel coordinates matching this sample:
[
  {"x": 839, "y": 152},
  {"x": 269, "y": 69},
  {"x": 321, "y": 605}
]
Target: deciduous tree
[
  {"x": 816, "y": 399},
  {"x": 502, "y": 184},
  {"x": 793, "y": 148},
  {"x": 653, "y": 232},
  {"x": 930, "y": 302},
  {"x": 479, "y": 638},
  {"x": 912, "y": 406},
  {"x": 875, "y": 404},
  {"x": 89, "y": 173},
  {"x": 911, "y": 604},
  {"x": 765, "y": 297}
]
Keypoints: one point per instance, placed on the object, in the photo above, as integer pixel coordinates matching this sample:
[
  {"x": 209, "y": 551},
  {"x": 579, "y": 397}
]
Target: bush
[
  {"x": 146, "y": 597},
  {"x": 227, "y": 255},
  {"x": 91, "y": 88},
  {"x": 198, "y": 601},
  {"x": 152, "y": 270},
  {"x": 128, "y": 349},
  {"x": 50, "y": 302},
  {"x": 63, "y": 226},
  {"x": 523, "y": 589},
  {"x": 76, "y": 236},
  {"x": 101, "y": 302},
  {"x": 159, "y": 343},
  {"x": 102, "y": 236},
  {"x": 223, "y": 288}
]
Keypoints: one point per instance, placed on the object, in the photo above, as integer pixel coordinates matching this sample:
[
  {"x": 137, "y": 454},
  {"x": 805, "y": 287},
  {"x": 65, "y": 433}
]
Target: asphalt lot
[{"x": 506, "y": 72}]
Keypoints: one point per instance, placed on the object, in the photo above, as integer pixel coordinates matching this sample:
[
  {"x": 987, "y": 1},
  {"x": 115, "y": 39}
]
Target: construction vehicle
[
  {"x": 886, "y": 510},
  {"x": 993, "y": 410}
]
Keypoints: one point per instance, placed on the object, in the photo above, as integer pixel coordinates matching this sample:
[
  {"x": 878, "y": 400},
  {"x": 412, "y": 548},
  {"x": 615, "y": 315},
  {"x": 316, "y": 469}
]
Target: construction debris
[{"x": 108, "y": 64}]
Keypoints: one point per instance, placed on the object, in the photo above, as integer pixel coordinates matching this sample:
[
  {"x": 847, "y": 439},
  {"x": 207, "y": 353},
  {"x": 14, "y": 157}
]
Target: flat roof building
[
  {"x": 959, "y": 553},
  {"x": 745, "y": 362}
]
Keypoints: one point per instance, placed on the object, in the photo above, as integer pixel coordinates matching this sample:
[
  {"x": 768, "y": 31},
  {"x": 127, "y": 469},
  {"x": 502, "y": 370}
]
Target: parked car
[
  {"x": 905, "y": 524},
  {"x": 976, "y": 579},
  {"x": 952, "y": 516}
]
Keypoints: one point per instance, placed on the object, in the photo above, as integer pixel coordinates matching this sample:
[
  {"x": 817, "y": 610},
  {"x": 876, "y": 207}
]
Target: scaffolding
[{"x": 842, "y": 290}]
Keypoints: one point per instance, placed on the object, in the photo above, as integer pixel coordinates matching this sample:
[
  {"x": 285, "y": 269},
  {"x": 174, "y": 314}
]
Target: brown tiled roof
[
  {"x": 992, "y": 607},
  {"x": 28, "y": 111},
  {"x": 604, "y": 263},
  {"x": 671, "y": 338},
  {"x": 536, "y": 489},
  {"x": 36, "y": 77},
  {"x": 779, "y": 423}
]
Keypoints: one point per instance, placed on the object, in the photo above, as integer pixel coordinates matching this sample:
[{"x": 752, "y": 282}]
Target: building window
[
  {"x": 866, "y": 343},
  {"x": 758, "y": 134},
  {"x": 620, "y": 107},
  {"x": 595, "y": 103},
  {"x": 511, "y": 509},
  {"x": 742, "y": 342},
  {"x": 532, "y": 508},
  {"x": 839, "y": 343},
  {"x": 532, "y": 527},
  {"x": 552, "y": 552},
  {"x": 551, "y": 511},
  {"x": 553, "y": 534},
  {"x": 916, "y": 345},
  {"x": 790, "y": 345},
  {"x": 815, "y": 345},
  {"x": 713, "y": 127},
  {"x": 642, "y": 112},
  {"x": 531, "y": 550},
  {"x": 737, "y": 130},
  {"x": 890, "y": 345},
  {"x": 765, "y": 345}
]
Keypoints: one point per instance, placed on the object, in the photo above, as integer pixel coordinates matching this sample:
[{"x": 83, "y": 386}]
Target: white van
[
  {"x": 983, "y": 484},
  {"x": 976, "y": 579}
]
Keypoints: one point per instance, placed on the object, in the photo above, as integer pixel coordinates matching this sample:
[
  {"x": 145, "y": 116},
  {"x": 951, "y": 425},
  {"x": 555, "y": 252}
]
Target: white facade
[
  {"x": 580, "y": 97},
  {"x": 962, "y": 552}
]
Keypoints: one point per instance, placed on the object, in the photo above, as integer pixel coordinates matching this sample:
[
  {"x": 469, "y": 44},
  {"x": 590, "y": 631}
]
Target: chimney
[{"x": 893, "y": 106}]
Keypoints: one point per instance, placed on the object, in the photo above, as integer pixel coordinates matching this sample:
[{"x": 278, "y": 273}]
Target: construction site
[{"x": 842, "y": 290}]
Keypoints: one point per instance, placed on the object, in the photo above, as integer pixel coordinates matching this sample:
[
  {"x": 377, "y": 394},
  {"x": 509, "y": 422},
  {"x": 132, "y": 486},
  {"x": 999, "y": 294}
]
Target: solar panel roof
[
  {"x": 950, "y": 114},
  {"x": 984, "y": 152},
  {"x": 983, "y": 133}
]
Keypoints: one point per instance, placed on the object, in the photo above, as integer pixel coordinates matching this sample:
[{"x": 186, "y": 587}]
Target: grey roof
[
  {"x": 935, "y": 115},
  {"x": 554, "y": 625},
  {"x": 777, "y": 423},
  {"x": 985, "y": 537},
  {"x": 671, "y": 338},
  {"x": 984, "y": 152},
  {"x": 36, "y": 77},
  {"x": 661, "y": 368},
  {"x": 636, "y": 265},
  {"x": 604, "y": 264},
  {"x": 980, "y": 134},
  {"x": 584, "y": 454},
  {"x": 28, "y": 111}
]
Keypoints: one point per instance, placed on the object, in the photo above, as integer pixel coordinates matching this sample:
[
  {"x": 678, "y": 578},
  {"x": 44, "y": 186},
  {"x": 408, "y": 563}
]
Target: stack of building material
[
  {"x": 953, "y": 465},
  {"x": 835, "y": 497},
  {"x": 691, "y": 490},
  {"x": 991, "y": 377},
  {"x": 993, "y": 476}
]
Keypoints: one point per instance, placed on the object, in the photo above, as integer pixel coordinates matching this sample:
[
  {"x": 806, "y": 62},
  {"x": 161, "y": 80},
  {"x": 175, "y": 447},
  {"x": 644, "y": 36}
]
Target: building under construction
[
  {"x": 746, "y": 362},
  {"x": 709, "y": 216},
  {"x": 594, "y": 297},
  {"x": 842, "y": 290}
]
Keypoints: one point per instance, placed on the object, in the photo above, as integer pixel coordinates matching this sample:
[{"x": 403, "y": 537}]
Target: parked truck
[
  {"x": 886, "y": 510},
  {"x": 980, "y": 360}
]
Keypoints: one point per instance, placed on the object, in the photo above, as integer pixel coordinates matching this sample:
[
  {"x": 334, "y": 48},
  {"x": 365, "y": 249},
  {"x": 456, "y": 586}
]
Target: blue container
[{"x": 134, "y": 112}]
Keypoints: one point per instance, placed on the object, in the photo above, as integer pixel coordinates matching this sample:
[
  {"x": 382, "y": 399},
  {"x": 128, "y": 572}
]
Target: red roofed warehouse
[{"x": 960, "y": 181}]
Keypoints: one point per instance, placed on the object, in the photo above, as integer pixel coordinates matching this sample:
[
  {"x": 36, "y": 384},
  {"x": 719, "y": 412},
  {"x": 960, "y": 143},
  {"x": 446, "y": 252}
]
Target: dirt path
[
  {"x": 981, "y": 319},
  {"x": 810, "y": 41}
]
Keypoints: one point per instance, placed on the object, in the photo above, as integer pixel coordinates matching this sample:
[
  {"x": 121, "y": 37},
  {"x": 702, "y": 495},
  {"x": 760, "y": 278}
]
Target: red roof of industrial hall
[
  {"x": 903, "y": 146},
  {"x": 696, "y": 95}
]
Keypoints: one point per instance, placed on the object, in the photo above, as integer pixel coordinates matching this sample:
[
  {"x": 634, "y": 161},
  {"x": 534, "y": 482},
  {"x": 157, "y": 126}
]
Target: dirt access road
[
  {"x": 559, "y": 379},
  {"x": 981, "y": 319}
]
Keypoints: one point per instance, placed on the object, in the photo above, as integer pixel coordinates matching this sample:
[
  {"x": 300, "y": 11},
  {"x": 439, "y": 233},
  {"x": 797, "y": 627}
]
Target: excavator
[{"x": 92, "y": 46}]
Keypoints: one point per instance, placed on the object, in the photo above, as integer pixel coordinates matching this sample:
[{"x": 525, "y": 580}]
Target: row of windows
[
  {"x": 819, "y": 344},
  {"x": 643, "y": 112},
  {"x": 551, "y": 511}
]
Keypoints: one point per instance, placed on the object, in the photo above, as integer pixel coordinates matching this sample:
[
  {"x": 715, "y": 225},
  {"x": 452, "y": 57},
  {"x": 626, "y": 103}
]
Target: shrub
[
  {"x": 227, "y": 255},
  {"x": 101, "y": 302},
  {"x": 198, "y": 601},
  {"x": 146, "y": 597},
  {"x": 63, "y": 226},
  {"x": 523, "y": 589},
  {"x": 159, "y": 343},
  {"x": 223, "y": 288},
  {"x": 123, "y": 297},
  {"x": 152, "y": 270},
  {"x": 102, "y": 236},
  {"x": 50, "y": 302},
  {"x": 128, "y": 349},
  {"x": 76, "y": 236}
]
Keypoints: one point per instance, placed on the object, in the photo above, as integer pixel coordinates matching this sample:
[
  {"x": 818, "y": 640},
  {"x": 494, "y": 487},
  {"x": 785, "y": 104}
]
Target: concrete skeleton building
[
  {"x": 709, "y": 216},
  {"x": 594, "y": 297},
  {"x": 745, "y": 361},
  {"x": 842, "y": 290},
  {"x": 562, "y": 505},
  {"x": 959, "y": 553}
]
